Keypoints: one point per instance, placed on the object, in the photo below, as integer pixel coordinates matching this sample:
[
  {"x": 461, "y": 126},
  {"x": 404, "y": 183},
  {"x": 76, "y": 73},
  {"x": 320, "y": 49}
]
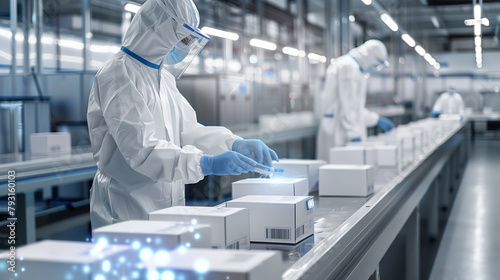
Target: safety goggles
[{"x": 190, "y": 45}]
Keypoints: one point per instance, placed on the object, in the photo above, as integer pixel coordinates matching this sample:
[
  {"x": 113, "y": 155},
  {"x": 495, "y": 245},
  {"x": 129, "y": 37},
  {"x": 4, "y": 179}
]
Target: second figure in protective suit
[
  {"x": 343, "y": 99},
  {"x": 145, "y": 136}
]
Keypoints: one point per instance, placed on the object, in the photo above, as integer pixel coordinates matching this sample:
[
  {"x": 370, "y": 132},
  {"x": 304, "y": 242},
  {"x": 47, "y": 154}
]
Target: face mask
[{"x": 176, "y": 56}]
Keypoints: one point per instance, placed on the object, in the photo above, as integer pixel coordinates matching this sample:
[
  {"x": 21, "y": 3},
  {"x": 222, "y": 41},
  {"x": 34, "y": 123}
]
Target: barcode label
[
  {"x": 299, "y": 231},
  {"x": 234, "y": 246},
  {"x": 278, "y": 233}
]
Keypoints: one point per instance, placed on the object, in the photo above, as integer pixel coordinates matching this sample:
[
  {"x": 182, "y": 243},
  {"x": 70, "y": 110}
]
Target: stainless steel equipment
[
  {"x": 19, "y": 117},
  {"x": 219, "y": 99}
]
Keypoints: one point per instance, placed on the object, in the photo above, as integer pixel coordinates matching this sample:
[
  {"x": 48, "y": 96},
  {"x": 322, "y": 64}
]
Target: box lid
[
  {"x": 149, "y": 227},
  {"x": 198, "y": 211},
  {"x": 276, "y": 199}
]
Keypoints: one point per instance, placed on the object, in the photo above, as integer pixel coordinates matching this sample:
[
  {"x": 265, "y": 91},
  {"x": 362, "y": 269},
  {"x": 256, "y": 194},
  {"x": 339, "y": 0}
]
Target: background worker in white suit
[{"x": 343, "y": 99}]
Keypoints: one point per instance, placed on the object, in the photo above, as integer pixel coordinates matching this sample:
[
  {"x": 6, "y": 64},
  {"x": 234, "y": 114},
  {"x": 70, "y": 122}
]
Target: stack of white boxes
[
  {"x": 230, "y": 226},
  {"x": 156, "y": 234},
  {"x": 274, "y": 186},
  {"x": 358, "y": 155},
  {"x": 70, "y": 260},
  {"x": 299, "y": 168},
  {"x": 388, "y": 164},
  {"x": 346, "y": 180},
  {"x": 51, "y": 143},
  {"x": 278, "y": 219},
  {"x": 217, "y": 264}
]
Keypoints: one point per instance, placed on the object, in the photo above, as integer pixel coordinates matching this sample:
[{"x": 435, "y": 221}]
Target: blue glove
[
  {"x": 228, "y": 163},
  {"x": 357, "y": 139},
  {"x": 435, "y": 113},
  {"x": 385, "y": 124},
  {"x": 256, "y": 150}
]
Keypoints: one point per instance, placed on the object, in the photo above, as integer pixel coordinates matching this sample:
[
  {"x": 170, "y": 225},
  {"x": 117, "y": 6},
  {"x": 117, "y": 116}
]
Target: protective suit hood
[
  {"x": 153, "y": 31},
  {"x": 370, "y": 55}
]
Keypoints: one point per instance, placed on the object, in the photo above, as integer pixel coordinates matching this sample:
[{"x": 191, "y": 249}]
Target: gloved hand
[
  {"x": 385, "y": 124},
  {"x": 435, "y": 113},
  {"x": 255, "y": 149},
  {"x": 357, "y": 139},
  {"x": 228, "y": 163}
]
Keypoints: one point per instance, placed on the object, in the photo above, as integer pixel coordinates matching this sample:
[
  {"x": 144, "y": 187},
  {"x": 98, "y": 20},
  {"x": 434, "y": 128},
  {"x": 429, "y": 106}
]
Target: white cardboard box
[
  {"x": 156, "y": 234},
  {"x": 51, "y": 143},
  {"x": 346, "y": 180},
  {"x": 230, "y": 226},
  {"x": 300, "y": 168},
  {"x": 274, "y": 186},
  {"x": 364, "y": 155},
  {"x": 69, "y": 260},
  {"x": 220, "y": 264},
  {"x": 387, "y": 156},
  {"x": 278, "y": 219}
]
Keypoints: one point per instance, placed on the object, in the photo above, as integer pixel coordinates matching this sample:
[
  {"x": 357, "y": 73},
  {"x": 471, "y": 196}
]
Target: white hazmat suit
[
  {"x": 449, "y": 102},
  {"x": 344, "y": 96},
  {"x": 145, "y": 136}
]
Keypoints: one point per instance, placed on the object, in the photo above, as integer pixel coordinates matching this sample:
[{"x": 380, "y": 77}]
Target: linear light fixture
[
  {"x": 290, "y": 51},
  {"x": 316, "y": 57},
  {"x": 408, "y": 40},
  {"x": 220, "y": 33},
  {"x": 133, "y": 8},
  {"x": 367, "y": 2},
  {"x": 420, "y": 50},
  {"x": 263, "y": 44},
  {"x": 387, "y": 19}
]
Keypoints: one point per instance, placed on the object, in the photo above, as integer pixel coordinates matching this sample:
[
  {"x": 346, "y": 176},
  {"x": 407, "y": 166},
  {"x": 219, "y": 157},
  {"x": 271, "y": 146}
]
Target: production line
[{"x": 337, "y": 219}]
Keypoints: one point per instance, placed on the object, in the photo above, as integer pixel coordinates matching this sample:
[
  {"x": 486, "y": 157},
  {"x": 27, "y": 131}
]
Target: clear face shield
[
  {"x": 382, "y": 64},
  {"x": 181, "y": 56}
]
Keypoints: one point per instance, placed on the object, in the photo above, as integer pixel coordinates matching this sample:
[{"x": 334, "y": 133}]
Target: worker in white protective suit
[
  {"x": 145, "y": 136},
  {"x": 449, "y": 102},
  {"x": 343, "y": 99}
]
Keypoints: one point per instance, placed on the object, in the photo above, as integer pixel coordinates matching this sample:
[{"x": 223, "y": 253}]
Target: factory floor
[{"x": 470, "y": 246}]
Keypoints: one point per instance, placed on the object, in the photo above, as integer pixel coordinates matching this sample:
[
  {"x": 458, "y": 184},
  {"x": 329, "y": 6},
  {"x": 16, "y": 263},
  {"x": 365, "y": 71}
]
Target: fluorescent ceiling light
[
  {"x": 133, "y": 8},
  {"x": 485, "y": 21},
  {"x": 352, "y": 18},
  {"x": 5, "y": 33},
  {"x": 435, "y": 21},
  {"x": 302, "y": 53},
  {"x": 477, "y": 29},
  {"x": 408, "y": 40},
  {"x": 428, "y": 57},
  {"x": 420, "y": 50},
  {"x": 70, "y": 44},
  {"x": 389, "y": 22},
  {"x": 316, "y": 57},
  {"x": 290, "y": 51},
  {"x": 477, "y": 12},
  {"x": 470, "y": 22},
  {"x": 263, "y": 44},
  {"x": 437, "y": 66},
  {"x": 477, "y": 41},
  {"x": 367, "y": 2},
  {"x": 220, "y": 33}
]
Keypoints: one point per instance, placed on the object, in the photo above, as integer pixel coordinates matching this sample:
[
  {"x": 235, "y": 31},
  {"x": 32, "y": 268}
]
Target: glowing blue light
[
  {"x": 148, "y": 240},
  {"x": 194, "y": 221},
  {"x": 106, "y": 266},
  {"x": 227, "y": 277},
  {"x": 136, "y": 245},
  {"x": 86, "y": 269},
  {"x": 158, "y": 240},
  {"x": 21, "y": 258},
  {"x": 153, "y": 275},
  {"x": 197, "y": 236},
  {"x": 146, "y": 254},
  {"x": 115, "y": 240},
  {"x": 201, "y": 266},
  {"x": 69, "y": 276},
  {"x": 3, "y": 266},
  {"x": 75, "y": 268},
  {"x": 182, "y": 249},
  {"x": 23, "y": 269},
  {"x": 99, "y": 277},
  {"x": 188, "y": 245},
  {"x": 167, "y": 275},
  {"x": 162, "y": 258},
  {"x": 87, "y": 239},
  {"x": 135, "y": 274},
  {"x": 121, "y": 259},
  {"x": 102, "y": 243}
]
